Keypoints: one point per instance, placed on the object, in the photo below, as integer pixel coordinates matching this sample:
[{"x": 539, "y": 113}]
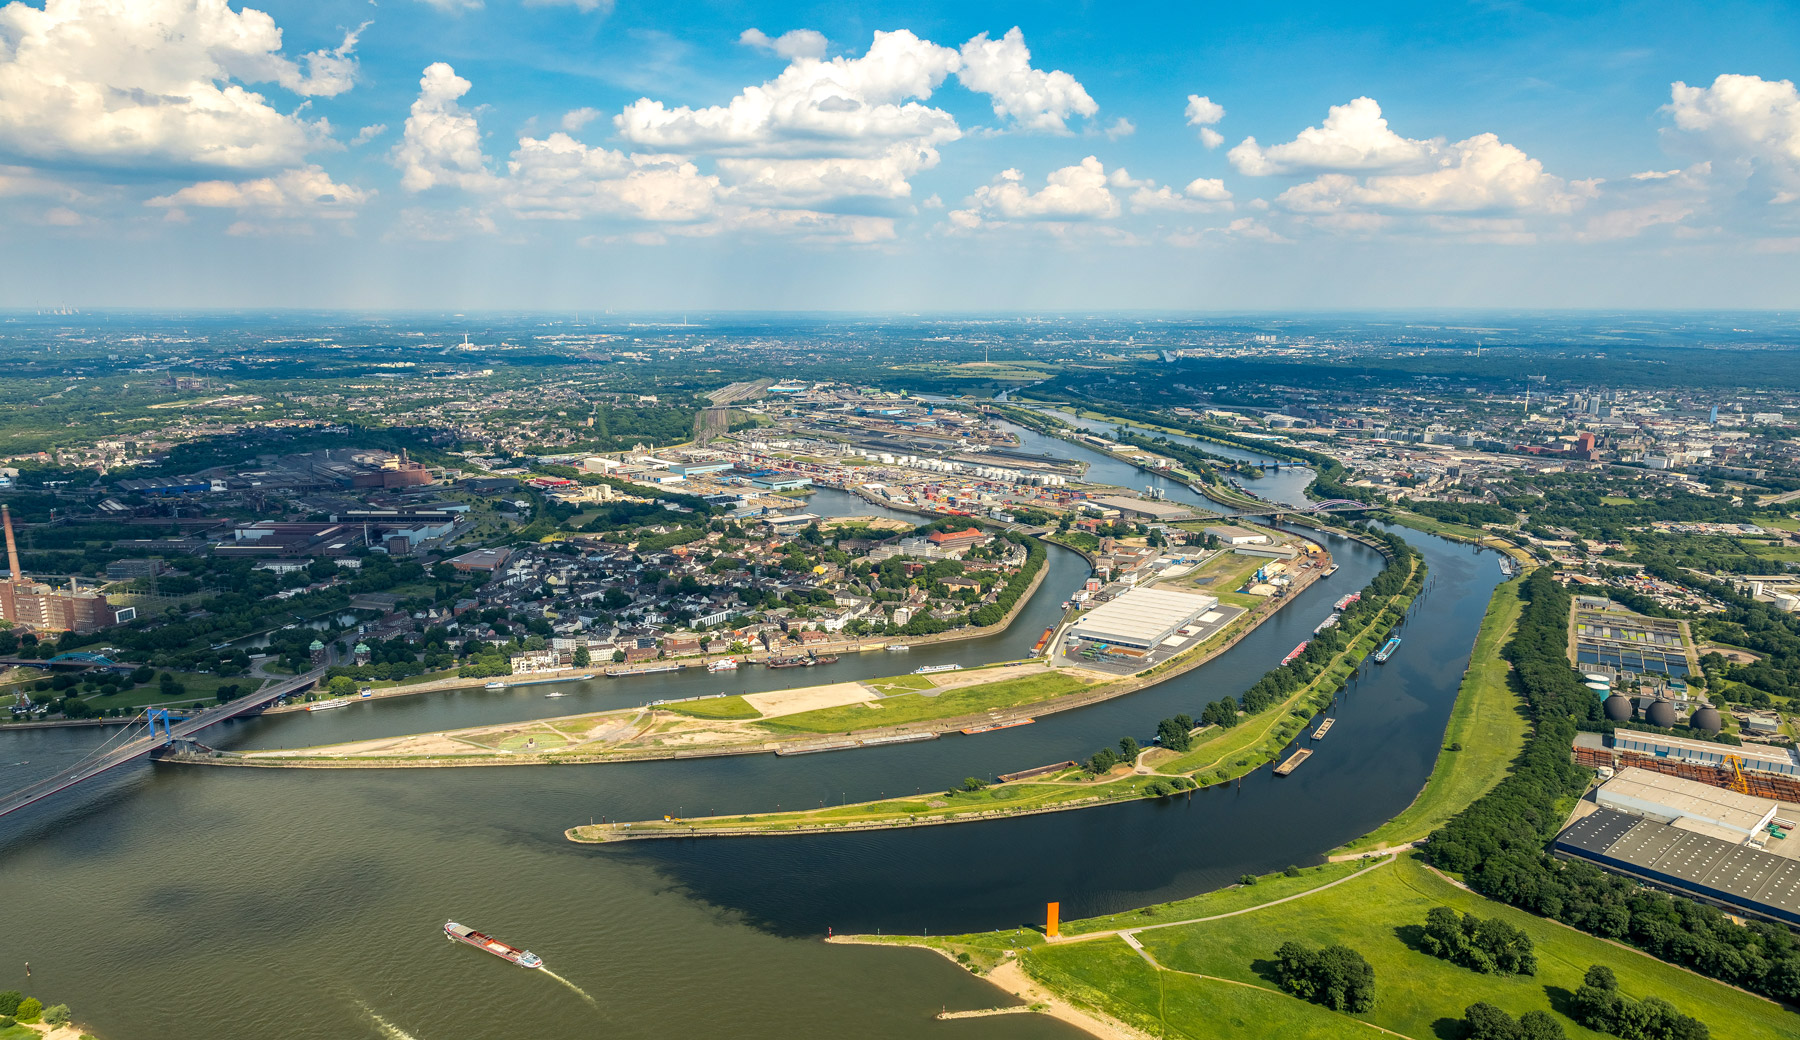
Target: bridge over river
[{"x": 144, "y": 736}]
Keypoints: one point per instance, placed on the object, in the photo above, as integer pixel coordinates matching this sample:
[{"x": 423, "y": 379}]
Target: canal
[{"x": 211, "y": 903}]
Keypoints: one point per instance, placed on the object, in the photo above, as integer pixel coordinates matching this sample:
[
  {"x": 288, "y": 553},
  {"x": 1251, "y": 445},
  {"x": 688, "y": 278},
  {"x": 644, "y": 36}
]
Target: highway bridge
[
  {"x": 144, "y": 736},
  {"x": 1276, "y": 509}
]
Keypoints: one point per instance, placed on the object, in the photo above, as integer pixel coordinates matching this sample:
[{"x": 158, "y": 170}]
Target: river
[{"x": 211, "y": 903}]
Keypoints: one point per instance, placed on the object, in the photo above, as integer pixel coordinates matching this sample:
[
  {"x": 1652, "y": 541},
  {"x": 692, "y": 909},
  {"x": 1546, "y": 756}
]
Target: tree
[
  {"x": 582, "y": 658},
  {"x": 1484, "y": 1021},
  {"x": 1539, "y": 1025},
  {"x": 57, "y": 1014},
  {"x": 974, "y": 783},
  {"x": 1128, "y": 750},
  {"x": 1336, "y": 976},
  {"x": 1174, "y": 733},
  {"x": 341, "y": 686},
  {"x": 30, "y": 1010},
  {"x": 618, "y": 657},
  {"x": 10, "y": 1001}
]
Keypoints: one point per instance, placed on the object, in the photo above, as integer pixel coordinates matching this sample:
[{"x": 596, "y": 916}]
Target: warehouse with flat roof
[
  {"x": 1688, "y": 804},
  {"x": 1736, "y": 877},
  {"x": 1142, "y": 618}
]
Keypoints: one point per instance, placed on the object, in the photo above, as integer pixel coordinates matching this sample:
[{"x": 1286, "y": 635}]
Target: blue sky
[{"x": 579, "y": 154}]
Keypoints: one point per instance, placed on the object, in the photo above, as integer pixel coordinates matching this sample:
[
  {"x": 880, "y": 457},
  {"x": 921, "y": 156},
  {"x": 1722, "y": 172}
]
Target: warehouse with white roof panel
[
  {"x": 1687, "y": 804},
  {"x": 1142, "y": 618}
]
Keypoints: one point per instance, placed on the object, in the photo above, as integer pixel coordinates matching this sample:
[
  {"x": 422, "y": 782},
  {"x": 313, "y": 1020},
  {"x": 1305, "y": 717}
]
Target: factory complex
[{"x": 1142, "y": 618}]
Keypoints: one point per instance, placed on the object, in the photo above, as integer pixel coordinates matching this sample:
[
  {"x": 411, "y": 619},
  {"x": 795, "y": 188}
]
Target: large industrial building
[
  {"x": 1722, "y": 813},
  {"x": 1761, "y": 757},
  {"x": 46, "y": 608},
  {"x": 1142, "y": 618},
  {"x": 1690, "y": 838}
]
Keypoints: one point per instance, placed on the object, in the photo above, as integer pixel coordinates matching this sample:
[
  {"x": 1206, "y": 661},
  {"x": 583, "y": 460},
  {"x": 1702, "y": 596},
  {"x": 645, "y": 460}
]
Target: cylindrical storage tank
[
  {"x": 1618, "y": 708},
  {"x": 1707, "y": 719},
  {"x": 1787, "y": 601},
  {"x": 1597, "y": 677},
  {"x": 1600, "y": 688},
  {"x": 1661, "y": 713}
]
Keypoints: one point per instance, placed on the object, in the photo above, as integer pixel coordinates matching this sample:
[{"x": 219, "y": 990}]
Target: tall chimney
[{"x": 12, "y": 547}]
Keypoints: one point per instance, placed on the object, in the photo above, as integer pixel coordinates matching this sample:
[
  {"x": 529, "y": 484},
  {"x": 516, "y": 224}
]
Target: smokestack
[{"x": 12, "y": 547}]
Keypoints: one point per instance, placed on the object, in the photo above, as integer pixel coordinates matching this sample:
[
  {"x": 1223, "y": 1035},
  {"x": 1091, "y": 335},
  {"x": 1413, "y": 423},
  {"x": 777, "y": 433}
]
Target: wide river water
[{"x": 207, "y": 904}]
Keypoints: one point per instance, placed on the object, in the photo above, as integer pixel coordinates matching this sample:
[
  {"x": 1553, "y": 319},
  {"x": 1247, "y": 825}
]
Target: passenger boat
[
  {"x": 465, "y": 934},
  {"x": 898, "y": 648},
  {"x": 496, "y": 685},
  {"x": 728, "y": 665},
  {"x": 930, "y": 668},
  {"x": 1387, "y": 650},
  {"x": 328, "y": 705},
  {"x": 556, "y": 693}
]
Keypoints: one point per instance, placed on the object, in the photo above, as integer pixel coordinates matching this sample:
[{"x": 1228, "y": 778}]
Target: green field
[
  {"x": 1267, "y": 889},
  {"x": 917, "y": 707},
  {"x": 1418, "y": 996},
  {"x": 715, "y": 708},
  {"x": 1489, "y": 723}
]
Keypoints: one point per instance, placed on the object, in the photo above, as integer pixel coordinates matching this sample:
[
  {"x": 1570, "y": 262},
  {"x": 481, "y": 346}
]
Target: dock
[
  {"x": 1324, "y": 728},
  {"x": 1293, "y": 762}
]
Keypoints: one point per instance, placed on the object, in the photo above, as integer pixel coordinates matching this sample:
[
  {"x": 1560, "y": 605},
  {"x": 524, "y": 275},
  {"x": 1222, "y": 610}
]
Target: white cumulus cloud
[
  {"x": 1480, "y": 175},
  {"x": 1353, "y": 137},
  {"x": 1749, "y": 126},
  {"x": 1031, "y": 98},
  {"x": 795, "y": 43},
  {"x": 1073, "y": 193},
  {"x": 307, "y": 191},
  {"x": 441, "y": 143},
  {"x": 1203, "y": 111},
  {"x": 157, "y": 82}
]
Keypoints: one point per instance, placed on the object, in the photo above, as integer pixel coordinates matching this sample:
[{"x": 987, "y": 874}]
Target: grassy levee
[
  {"x": 1221, "y": 901},
  {"x": 1375, "y": 914},
  {"x": 918, "y": 707},
  {"x": 1488, "y": 721},
  {"x": 1230, "y": 752},
  {"x": 1109, "y": 977},
  {"x": 734, "y": 707}
]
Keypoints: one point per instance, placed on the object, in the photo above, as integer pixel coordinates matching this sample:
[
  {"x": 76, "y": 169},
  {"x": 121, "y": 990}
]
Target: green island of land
[{"x": 1216, "y": 753}]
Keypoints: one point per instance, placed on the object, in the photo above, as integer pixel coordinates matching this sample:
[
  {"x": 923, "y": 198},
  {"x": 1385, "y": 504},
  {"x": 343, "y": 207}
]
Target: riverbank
[
  {"x": 912, "y": 707},
  {"x": 1150, "y": 974},
  {"x": 1223, "y": 754},
  {"x": 1486, "y": 731}
]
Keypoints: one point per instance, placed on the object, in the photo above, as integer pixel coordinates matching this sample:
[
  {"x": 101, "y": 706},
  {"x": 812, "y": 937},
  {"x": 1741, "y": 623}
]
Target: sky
[{"x": 587, "y": 155}]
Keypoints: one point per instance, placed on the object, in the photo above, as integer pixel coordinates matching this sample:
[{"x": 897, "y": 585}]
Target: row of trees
[
  {"x": 993, "y": 613},
  {"x": 16, "y": 1006},
  {"x": 1499, "y": 843},
  {"x": 1484, "y": 1021}
]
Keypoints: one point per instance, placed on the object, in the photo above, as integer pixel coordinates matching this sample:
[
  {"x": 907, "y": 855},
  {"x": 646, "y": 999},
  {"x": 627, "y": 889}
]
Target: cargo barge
[
  {"x": 1346, "y": 601},
  {"x": 1387, "y": 650},
  {"x": 1293, "y": 762},
  {"x": 465, "y": 934},
  {"x": 1324, "y": 728},
  {"x": 1295, "y": 652},
  {"x": 992, "y": 726}
]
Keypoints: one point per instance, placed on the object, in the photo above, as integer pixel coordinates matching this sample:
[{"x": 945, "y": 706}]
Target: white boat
[
  {"x": 327, "y": 705},
  {"x": 556, "y": 693},
  {"x": 729, "y": 664},
  {"x": 496, "y": 685}
]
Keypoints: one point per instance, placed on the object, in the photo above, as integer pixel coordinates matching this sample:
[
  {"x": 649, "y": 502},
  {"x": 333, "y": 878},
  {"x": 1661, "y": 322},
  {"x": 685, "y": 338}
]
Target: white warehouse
[{"x": 1142, "y": 618}]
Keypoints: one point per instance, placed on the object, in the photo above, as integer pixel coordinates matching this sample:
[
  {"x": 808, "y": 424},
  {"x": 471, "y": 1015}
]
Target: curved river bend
[{"x": 213, "y": 904}]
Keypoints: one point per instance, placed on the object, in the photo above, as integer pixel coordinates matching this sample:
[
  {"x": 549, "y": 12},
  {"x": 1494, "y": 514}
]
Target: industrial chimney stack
[{"x": 12, "y": 547}]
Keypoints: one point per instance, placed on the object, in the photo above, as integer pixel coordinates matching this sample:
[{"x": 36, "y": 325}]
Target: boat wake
[
  {"x": 388, "y": 1029},
  {"x": 571, "y": 985}
]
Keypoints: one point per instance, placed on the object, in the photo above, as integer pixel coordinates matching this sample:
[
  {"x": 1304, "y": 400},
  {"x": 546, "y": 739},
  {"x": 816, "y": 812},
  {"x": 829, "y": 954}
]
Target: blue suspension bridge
[{"x": 154, "y": 729}]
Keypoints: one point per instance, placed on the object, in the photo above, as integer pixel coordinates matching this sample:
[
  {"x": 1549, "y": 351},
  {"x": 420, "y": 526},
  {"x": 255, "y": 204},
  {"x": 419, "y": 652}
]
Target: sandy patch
[
  {"x": 808, "y": 698},
  {"x": 1012, "y": 978}
]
